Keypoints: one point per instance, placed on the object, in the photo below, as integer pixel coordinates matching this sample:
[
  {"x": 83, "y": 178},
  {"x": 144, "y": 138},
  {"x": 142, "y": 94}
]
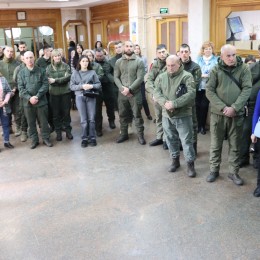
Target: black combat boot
[
  {"x": 175, "y": 164},
  {"x": 191, "y": 170},
  {"x": 195, "y": 148}
]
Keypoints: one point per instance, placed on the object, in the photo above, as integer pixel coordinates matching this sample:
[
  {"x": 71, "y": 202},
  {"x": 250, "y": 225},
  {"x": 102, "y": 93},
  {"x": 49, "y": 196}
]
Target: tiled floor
[{"x": 117, "y": 201}]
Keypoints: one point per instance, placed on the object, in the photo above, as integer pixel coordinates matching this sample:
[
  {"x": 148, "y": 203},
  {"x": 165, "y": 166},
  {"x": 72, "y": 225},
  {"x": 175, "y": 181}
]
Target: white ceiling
[{"x": 42, "y": 4}]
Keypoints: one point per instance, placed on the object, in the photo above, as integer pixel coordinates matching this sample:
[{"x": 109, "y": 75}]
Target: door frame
[{"x": 179, "y": 19}]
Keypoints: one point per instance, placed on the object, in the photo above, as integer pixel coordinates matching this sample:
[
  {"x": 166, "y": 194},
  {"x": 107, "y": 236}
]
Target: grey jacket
[{"x": 79, "y": 78}]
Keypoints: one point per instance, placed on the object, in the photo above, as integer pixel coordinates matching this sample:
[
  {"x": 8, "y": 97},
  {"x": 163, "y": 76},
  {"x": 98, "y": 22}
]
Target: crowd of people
[{"x": 40, "y": 94}]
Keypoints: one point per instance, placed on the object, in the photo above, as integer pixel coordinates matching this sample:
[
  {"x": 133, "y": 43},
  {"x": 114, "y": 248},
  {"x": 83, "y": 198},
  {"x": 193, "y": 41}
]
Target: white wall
[
  {"x": 198, "y": 25},
  {"x": 251, "y": 23}
]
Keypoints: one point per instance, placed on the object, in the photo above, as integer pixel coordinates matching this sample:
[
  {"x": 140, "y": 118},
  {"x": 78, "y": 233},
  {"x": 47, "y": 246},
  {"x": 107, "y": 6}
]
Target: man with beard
[
  {"x": 7, "y": 67},
  {"x": 158, "y": 67},
  {"x": 22, "y": 47},
  {"x": 195, "y": 70},
  {"x": 128, "y": 75}
]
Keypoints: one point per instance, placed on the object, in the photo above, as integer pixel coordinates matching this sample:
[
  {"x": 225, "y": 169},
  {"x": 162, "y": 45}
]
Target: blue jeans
[
  {"x": 179, "y": 128},
  {"x": 5, "y": 125},
  {"x": 87, "y": 110}
]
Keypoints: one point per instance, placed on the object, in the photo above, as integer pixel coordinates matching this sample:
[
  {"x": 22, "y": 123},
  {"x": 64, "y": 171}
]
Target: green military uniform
[
  {"x": 130, "y": 73},
  {"x": 60, "y": 95},
  {"x": 195, "y": 70},
  {"x": 7, "y": 68},
  {"x": 177, "y": 124},
  {"x": 223, "y": 92},
  {"x": 158, "y": 67},
  {"x": 44, "y": 63},
  {"x": 98, "y": 69},
  {"x": 107, "y": 95},
  {"x": 112, "y": 62},
  {"x": 35, "y": 83},
  {"x": 247, "y": 126},
  {"x": 24, "y": 124}
]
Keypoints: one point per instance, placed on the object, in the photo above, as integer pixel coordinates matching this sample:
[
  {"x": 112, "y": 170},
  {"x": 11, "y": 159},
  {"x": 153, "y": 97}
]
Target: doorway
[
  {"x": 34, "y": 37},
  {"x": 76, "y": 31},
  {"x": 172, "y": 32}
]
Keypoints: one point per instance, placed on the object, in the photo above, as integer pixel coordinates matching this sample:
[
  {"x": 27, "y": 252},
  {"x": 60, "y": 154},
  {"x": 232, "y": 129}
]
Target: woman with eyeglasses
[
  {"x": 85, "y": 78},
  {"x": 207, "y": 60}
]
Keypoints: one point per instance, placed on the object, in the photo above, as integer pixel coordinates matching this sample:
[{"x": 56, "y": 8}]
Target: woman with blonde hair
[
  {"x": 207, "y": 60},
  {"x": 59, "y": 75}
]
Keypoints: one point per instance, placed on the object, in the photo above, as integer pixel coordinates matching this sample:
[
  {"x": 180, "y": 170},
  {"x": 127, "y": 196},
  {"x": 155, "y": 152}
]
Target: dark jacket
[
  {"x": 43, "y": 63},
  {"x": 61, "y": 73},
  {"x": 108, "y": 73},
  {"x": 165, "y": 89},
  {"x": 195, "y": 70},
  {"x": 114, "y": 59},
  {"x": 33, "y": 83}
]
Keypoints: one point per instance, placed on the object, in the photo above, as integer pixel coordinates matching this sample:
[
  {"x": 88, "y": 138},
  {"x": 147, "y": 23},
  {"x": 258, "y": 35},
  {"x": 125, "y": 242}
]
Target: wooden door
[
  {"x": 172, "y": 32},
  {"x": 96, "y": 32}
]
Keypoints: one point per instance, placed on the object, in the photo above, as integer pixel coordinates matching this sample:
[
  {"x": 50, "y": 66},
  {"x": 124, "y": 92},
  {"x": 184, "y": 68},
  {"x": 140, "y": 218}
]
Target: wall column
[
  {"x": 137, "y": 26},
  {"x": 198, "y": 24}
]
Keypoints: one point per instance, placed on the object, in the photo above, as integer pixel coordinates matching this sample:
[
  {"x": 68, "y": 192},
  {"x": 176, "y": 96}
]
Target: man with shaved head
[
  {"x": 228, "y": 90},
  {"x": 33, "y": 85},
  {"x": 175, "y": 92}
]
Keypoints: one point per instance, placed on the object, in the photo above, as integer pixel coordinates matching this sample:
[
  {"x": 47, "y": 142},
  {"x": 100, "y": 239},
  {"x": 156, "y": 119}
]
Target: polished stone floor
[{"x": 117, "y": 201}]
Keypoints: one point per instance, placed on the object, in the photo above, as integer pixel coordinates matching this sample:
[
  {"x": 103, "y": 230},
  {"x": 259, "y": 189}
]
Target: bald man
[
  {"x": 228, "y": 90},
  {"x": 177, "y": 111},
  {"x": 33, "y": 85}
]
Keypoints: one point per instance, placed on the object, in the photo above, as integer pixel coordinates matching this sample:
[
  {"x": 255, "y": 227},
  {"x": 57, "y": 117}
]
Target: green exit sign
[{"x": 164, "y": 10}]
